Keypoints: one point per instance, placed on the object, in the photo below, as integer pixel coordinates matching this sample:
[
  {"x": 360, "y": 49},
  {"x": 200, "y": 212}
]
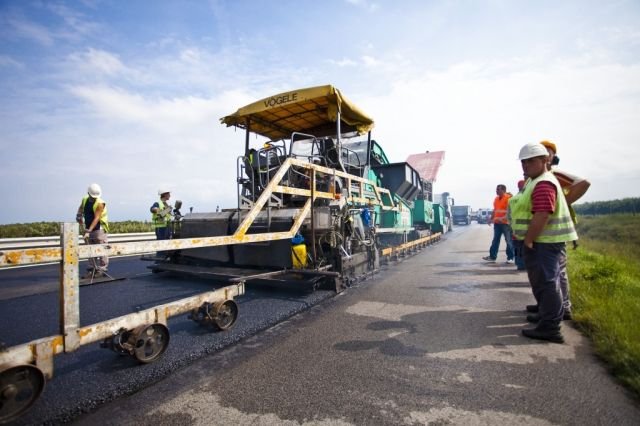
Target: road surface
[{"x": 433, "y": 340}]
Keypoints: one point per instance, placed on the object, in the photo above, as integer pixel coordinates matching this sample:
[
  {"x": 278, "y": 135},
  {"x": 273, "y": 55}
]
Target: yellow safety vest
[
  {"x": 559, "y": 227},
  {"x": 159, "y": 221},
  {"x": 104, "y": 218}
]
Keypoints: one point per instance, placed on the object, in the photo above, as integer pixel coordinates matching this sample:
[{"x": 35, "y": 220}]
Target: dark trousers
[
  {"x": 517, "y": 253},
  {"x": 543, "y": 268},
  {"x": 163, "y": 233}
]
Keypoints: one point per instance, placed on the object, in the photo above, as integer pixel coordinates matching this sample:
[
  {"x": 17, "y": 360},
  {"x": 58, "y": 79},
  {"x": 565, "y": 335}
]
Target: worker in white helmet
[
  {"x": 161, "y": 217},
  {"x": 542, "y": 221},
  {"x": 92, "y": 214}
]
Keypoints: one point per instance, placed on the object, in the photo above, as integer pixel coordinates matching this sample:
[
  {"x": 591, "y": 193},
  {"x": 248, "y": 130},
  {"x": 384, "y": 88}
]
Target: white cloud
[
  {"x": 97, "y": 61},
  {"x": 8, "y": 61},
  {"x": 370, "y": 61},
  {"x": 481, "y": 119},
  {"x": 31, "y": 31},
  {"x": 344, "y": 62}
]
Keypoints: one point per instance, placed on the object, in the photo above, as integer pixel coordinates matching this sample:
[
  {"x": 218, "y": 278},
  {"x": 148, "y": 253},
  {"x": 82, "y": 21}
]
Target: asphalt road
[
  {"x": 85, "y": 379},
  {"x": 434, "y": 339}
]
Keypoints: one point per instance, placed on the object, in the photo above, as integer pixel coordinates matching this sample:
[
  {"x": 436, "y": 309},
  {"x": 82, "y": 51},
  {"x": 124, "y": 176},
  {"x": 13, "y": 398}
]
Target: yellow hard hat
[{"x": 550, "y": 145}]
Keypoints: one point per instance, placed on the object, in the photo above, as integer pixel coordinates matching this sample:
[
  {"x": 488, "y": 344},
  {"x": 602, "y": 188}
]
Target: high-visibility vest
[
  {"x": 500, "y": 209},
  {"x": 559, "y": 227},
  {"x": 104, "y": 218},
  {"x": 158, "y": 221}
]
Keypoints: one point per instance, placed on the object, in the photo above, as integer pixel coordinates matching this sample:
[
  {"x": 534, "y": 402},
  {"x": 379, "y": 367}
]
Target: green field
[{"x": 605, "y": 291}]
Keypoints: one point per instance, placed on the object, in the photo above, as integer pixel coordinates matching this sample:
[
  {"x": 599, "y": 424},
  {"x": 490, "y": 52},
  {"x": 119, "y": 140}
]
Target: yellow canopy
[{"x": 313, "y": 110}]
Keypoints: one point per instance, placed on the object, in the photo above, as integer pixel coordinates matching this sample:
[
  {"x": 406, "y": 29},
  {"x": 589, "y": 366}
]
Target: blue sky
[{"x": 129, "y": 94}]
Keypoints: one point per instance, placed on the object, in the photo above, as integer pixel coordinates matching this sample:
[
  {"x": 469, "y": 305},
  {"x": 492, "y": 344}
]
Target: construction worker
[
  {"x": 517, "y": 244},
  {"x": 500, "y": 225},
  {"x": 92, "y": 214},
  {"x": 161, "y": 217},
  {"x": 573, "y": 187},
  {"x": 541, "y": 219}
]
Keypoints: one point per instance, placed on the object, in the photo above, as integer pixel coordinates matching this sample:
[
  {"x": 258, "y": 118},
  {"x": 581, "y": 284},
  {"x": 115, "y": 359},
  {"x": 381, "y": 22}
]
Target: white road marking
[
  {"x": 527, "y": 353},
  {"x": 395, "y": 312},
  {"x": 455, "y": 416},
  {"x": 205, "y": 409}
]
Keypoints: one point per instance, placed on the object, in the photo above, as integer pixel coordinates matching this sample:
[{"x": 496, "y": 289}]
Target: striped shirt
[{"x": 543, "y": 198}]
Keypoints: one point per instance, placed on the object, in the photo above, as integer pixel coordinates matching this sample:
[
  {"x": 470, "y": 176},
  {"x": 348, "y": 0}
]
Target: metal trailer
[{"x": 144, "y": 335}]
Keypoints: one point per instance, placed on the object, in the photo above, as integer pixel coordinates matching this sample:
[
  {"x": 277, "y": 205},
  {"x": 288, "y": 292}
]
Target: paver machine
[{"x": 311, "y": 197}]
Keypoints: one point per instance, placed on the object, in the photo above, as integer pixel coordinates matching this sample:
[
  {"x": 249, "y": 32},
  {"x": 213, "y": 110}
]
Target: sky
[{"x": 128, "y": 94}]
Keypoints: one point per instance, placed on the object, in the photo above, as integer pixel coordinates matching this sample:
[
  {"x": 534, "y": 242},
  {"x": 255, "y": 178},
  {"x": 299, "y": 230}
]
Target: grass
[{"x": 605, "y": 291}]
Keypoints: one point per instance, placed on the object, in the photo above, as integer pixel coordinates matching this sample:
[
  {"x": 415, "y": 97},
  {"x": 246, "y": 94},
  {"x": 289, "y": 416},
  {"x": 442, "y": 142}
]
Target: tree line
[
  {"x": 595, "y": 208},
  {"x": 48, "y": 229}
]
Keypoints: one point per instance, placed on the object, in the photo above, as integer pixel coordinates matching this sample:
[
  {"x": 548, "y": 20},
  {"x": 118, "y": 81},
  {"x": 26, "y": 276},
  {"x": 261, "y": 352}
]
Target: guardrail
[{"x": 54, "y": 241}]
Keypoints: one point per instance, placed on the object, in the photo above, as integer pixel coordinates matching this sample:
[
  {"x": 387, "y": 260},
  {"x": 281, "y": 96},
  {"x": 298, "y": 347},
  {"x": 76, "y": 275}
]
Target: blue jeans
[
  {"x": 543, "y": 269},
  {"x": 500, "y": 229}
]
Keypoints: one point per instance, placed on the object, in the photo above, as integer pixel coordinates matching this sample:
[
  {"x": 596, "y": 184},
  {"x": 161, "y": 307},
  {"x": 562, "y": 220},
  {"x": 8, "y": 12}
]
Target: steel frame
[{"x": 41, "y": 351}]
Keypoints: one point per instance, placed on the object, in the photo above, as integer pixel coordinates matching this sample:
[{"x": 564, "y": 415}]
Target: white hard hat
[
  {"x": 94, "y": 190},
  {"x": 531, "y": 150},
  {"x": 163, "y": 191}
]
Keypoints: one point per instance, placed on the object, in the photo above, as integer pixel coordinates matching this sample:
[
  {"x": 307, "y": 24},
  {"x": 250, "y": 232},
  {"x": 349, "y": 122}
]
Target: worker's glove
[{"x": 86, "y": 236}]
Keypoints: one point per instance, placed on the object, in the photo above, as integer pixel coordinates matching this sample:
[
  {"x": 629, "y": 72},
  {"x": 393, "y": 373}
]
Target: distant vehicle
[
  {"x": 461, "y": 215},
  {"x": 484, "y": 215}
]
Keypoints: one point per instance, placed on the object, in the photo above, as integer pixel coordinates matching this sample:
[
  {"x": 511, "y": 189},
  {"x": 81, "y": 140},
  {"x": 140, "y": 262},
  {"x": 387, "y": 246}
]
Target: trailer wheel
[
  {"x": 225, "y": 314},
  {"x": 20, "y": 387},
  {"x": 149, "y": 342}
]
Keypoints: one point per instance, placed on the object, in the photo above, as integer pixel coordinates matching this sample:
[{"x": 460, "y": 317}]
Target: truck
[{"x": 461, "y": 215}]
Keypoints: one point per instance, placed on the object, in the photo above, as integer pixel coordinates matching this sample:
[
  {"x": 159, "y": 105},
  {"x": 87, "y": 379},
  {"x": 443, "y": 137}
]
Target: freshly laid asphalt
[{"x": 434, "y": 339}]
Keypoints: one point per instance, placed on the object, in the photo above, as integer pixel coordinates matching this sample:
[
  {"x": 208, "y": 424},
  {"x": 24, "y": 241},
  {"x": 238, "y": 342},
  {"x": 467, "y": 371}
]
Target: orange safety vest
[{"x": 500, "y": 209}]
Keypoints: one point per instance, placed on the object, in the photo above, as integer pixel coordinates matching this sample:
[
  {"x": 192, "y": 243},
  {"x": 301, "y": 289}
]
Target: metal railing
[
  {"x": 54, "y": 240},
  {"x": 36, "y": 357}
]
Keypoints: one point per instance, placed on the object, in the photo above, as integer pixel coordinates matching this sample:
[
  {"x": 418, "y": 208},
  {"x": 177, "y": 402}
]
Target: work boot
[
  {"x": 550, "y": 333},
  {"x": 533, "y": 318},
  {"x": 536, "y": 317},
  {"x": 489, "y": 259},
  {"x": 532, "y": 308}
]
